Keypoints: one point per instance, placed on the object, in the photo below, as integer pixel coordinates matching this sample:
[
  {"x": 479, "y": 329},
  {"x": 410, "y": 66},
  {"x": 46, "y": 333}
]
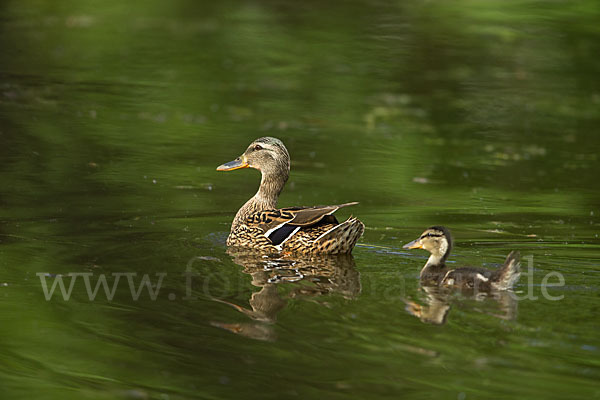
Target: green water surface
[{"x": 479, "y": 115}]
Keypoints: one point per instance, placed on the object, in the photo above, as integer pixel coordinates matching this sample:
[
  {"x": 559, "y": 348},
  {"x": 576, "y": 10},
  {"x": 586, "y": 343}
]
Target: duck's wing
[
  {"x": 307, "y": 216},
  {"x": 466, "y": 277},
  {"x": 280, "y": 224}
]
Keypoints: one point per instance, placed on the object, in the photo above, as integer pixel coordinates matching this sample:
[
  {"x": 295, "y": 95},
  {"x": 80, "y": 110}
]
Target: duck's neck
[
  {"x": 436, "y": 263},
  {"x": 271, "y": 185},
  {"x": 270, "y": 188}
]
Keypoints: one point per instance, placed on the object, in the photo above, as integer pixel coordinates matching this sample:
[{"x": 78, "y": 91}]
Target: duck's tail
[
  {"x": 341, "y": 238},
  {"x": 508, "y": 275}
]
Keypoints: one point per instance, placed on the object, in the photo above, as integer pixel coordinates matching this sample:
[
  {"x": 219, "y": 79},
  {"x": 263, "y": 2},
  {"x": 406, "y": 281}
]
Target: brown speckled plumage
[{"x": 260, "y": 225}]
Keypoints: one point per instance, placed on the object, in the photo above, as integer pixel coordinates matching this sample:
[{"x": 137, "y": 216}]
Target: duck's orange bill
[
  {"x": 415, "y": 244},
  {"x": 232, "y": 165}
]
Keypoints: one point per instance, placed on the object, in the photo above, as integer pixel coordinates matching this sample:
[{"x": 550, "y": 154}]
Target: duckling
[
  {"x": 438, "y": 241},
  {"x": 260, "y": 225}
]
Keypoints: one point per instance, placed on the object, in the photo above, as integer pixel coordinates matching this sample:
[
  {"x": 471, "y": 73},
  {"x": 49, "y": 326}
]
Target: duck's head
[
  {"x": 266, "y": 154},
  {"x": 436, "y": 240}
]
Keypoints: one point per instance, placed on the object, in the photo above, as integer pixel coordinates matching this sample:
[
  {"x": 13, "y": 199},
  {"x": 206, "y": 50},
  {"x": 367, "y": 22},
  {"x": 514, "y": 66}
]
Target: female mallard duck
[
  {"x": 438, "y": 242},
  {"x": 260, "y": 225}
]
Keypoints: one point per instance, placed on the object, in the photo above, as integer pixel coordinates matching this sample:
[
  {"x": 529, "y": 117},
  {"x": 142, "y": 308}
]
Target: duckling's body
[
  {"x": 438, "y": 241},
  {"x": 260, "y": 225}
]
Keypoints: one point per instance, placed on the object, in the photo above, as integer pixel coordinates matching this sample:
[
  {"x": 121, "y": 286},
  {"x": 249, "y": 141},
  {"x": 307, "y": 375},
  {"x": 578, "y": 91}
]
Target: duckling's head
[
  {"x": 266, "y": 154},
  {"x": 436, "y": 240}
]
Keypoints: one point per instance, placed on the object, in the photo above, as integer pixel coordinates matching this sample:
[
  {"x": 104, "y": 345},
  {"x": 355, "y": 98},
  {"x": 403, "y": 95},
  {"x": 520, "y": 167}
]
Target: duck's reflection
[
  {"x": 436, "y": 303},
  {"x": 306, "y": 277}
]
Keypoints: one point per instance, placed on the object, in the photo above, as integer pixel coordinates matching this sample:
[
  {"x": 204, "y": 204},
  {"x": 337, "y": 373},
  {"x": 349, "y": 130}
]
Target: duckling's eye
[{"x": 258, "y": 147}]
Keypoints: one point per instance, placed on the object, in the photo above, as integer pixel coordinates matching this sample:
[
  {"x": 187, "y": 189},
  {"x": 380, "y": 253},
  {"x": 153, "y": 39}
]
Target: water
[{"x": 479, "y": 116}]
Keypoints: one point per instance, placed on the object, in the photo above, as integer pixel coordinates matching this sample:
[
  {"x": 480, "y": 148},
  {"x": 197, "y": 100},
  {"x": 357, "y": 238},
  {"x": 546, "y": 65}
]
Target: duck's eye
[{"x": 258, "y": 147}]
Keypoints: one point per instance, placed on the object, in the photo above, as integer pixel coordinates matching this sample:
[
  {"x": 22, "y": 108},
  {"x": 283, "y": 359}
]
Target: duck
[
  {"x": 260, "y": 225},
  {"x": 437, "y": 240}
]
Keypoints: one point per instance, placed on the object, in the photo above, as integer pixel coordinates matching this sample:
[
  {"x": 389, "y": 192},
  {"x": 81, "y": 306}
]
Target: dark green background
[{"x": 479, "y": 115}]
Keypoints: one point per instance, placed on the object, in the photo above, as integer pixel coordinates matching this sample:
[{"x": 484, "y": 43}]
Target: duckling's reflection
[
  {"x": 438, "y": 301},
  {"x": 325, "y": 275}
]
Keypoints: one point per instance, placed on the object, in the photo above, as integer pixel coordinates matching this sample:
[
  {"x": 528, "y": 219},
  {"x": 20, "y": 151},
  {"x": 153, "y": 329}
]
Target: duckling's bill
[
  {"x": 233, "y": 165},
  {"x": 415, "y": 244}
]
